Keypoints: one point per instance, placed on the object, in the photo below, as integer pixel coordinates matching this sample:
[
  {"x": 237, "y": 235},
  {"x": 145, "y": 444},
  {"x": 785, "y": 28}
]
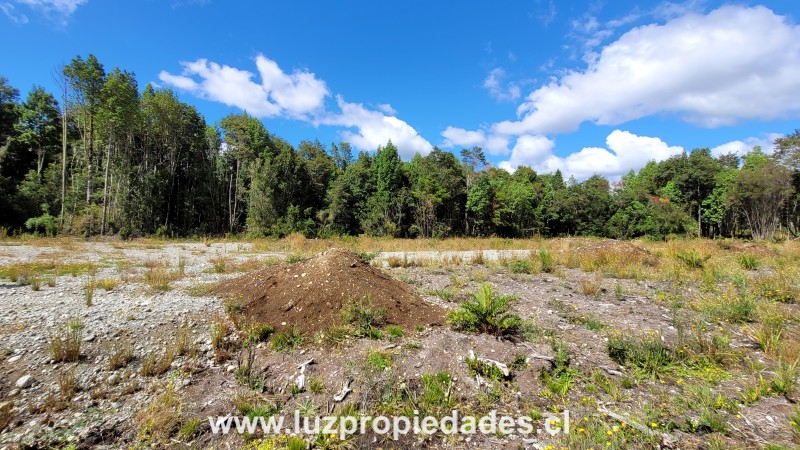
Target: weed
[
  {"x": 316, "y": 385},
  {"x": 120, "y": 353},
  {"x": 692, "y": 258},
  {"x": 106, "y": 284},
  {"x": 590, "y": 285},
  {"x": 647, "y": 354},
  {"x": 159, "y": 420},
  {"x": 88, "y": 292},
  {"x": 154, "y": 364},
  {"x": 394, "y": 332},
  {"x": 546, "y": 260},
  {"x": 785, "y": 380},
  {"x": 748, "y": 261},
  {"x": 190, "y": 428},
  {"x": 484, "y": 369},
  {"x": 258, "y": 332},
  {"x": 287, "y": 340},
  {"x": 520, "y": 266},
  {"x": 486, "y": 312},
  {"x": 67, "y": 384},
  {"x": 769, "y": 330},
  {"x": 219, "y": 263},
  {"x": 364, "y": 318},
  {"x": 159, "y": 278},
  {"x": 183, "y": 342},
  {"x": 65, "y": 345},
  {"x": 380, "y": 360}
]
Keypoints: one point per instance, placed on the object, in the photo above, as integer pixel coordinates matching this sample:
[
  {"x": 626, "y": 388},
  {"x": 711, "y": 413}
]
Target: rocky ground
[{"x": 158, "y": 354}]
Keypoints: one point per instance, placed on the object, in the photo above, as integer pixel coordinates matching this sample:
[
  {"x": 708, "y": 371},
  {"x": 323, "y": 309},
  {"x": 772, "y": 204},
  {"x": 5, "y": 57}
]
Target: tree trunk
[
  {"x": 105, "y": 192},
  {"x": 63, "y": 156},
  {"x": 89, "y": 156}
]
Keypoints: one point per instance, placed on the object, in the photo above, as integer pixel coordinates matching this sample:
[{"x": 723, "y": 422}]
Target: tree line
[{"x": 102, "y": 157}]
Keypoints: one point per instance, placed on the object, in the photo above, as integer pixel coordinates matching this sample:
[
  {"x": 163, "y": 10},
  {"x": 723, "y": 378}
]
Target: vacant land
[{"x": 683, "y": 344}]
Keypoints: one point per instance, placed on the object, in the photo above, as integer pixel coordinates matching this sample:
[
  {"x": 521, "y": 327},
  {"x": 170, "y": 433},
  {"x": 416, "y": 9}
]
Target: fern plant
[{"x": 486, "y": 312}]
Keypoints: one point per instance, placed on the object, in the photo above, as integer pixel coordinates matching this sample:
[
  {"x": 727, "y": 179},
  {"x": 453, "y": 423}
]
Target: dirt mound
[{"x": 310, "y": 294}]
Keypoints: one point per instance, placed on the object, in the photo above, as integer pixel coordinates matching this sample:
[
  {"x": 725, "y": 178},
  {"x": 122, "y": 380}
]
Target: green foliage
[
  {"x": 647, "y": 354},
  {"x": 287, "y": 340},
  {"x": 486, "y": 312},
  {"x": 364, "y": 318}
]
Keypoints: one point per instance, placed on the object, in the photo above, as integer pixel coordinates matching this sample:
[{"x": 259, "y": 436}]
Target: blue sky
[{"x": 585, "y": 86}]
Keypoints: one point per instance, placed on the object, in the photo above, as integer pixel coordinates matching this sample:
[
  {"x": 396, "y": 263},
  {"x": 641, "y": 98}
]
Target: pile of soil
[{"x": 310, "y": 294}]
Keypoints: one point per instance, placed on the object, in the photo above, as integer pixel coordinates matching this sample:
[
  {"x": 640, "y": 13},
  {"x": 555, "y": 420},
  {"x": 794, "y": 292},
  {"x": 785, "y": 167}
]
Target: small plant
[
  {"x": 258, "y": 332},
  {"x": 88, "y": 292},
  {"x": 154, "y": 364},
  {"x": 190, "y": 428},
  {"x": 380, "y": 360},
  {"x": 647, "y": 354},
  {"x": 785, "y": 380},
  {"x": 183, "y": 341},
  {"x": 120, "y": 353},
  {"x": 315, "y": 385},
  {"x": 364, "y": 318},
  {"x": 394, "y": 332},
  {"x": 484, "y": 369},
  {"x": 219, "y": 329},
  {"x": 36, "y": 284},
  {"x": 295, "y": 258},
  {"x": 692, "y": 258},
  {"x": 590, "y": 285},
  {"x": 520, "y": 266},
  {"x": 67, "y": 384},
  {"x": 287, "y": 340},
  {"x": 748, "y": 261},
  {"x": 160, "y": 420},
  {"x": 219, "y": 264},
  {"x": 546, "y": 260},
  {"x": 769, "y": 329},
  {"x": 65, "y": 345},
  {"x": 486, "y": 312}
]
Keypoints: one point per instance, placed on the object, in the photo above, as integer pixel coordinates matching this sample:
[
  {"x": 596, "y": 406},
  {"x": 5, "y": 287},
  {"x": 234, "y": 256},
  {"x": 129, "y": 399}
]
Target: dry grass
[
  {"x": 590, "y": 285},
  {"x": 67, "y": 384},
  {"x": 156, "y": 363},
  {"x": 120, "y": 353},
  {"x": 160, "y": 278},
  {"x": 65, "y": 344},
  {"x": 160, "y": 419}
]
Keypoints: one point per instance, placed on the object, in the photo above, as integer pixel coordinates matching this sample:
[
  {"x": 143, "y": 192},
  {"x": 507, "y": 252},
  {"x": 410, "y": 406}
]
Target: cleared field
[{"x": 691, "y": 344}]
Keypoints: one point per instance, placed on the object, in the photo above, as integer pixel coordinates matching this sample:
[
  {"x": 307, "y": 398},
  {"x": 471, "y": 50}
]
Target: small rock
[
  {"x": 113, "y": 379},
  {"x": 89, "y": 338},
  {"x": 24, "y": 382},
  {"x": 13, "y": 393},
  {"x": 15, "y": 358},
  {"x": 231, "y": 368}
]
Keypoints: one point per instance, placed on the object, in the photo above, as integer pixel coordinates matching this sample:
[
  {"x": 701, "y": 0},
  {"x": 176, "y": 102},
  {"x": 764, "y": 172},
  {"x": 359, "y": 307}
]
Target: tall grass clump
[{"x": 546, "y": 260}]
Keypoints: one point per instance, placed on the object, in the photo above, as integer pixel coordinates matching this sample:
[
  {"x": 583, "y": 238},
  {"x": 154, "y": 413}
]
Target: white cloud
[
  {"x": 500, "y": 91},
  {"x": 741, "y": 147},
  {"x": 733, "y": 64},
  {"x": 387, "y": 108},
  {"x": 493, "y": 144},
  {"x": 279, "y": 94},
  {"x": 11, "y": 12},
  {"x": 56, "y": 10},
  {"x": 625, "y": 151},
  {"x": 374, "y": 129}
]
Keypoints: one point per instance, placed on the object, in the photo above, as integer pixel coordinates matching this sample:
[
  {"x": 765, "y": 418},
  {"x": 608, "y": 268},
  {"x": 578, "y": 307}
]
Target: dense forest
[{"x": 102, "y": 157}]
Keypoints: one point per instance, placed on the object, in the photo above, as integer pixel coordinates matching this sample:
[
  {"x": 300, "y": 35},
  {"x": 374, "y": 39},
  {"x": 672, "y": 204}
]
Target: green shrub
[{"x": 647, "y": 354}]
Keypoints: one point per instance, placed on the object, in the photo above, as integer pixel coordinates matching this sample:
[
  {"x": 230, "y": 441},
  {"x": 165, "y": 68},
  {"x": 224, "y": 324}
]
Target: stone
[
  {"x": 24, "y": 382},
  {"x": 14, "y": 358}
]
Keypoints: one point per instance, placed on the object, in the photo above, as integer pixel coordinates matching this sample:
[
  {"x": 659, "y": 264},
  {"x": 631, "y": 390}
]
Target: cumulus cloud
[
  {"x": 625, "y": 151},
  {"x": 498, "y": 88},
  {"x": 300, "y": 96},
  {"x": 493, "y": 144},
  {"x": 278, "y": 94},
  {"x": 741, "y": 147},
  {"x": 56, "y": 10},
  {"x": 374, "y": 128},
  {"x": 735, "y": 63}
]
